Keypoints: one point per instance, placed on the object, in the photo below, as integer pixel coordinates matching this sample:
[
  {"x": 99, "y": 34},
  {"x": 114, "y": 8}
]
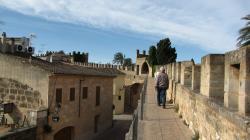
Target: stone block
[
  {"x": 28, "y": 93},
  {"x": 13, "y": 91},
  {"x": 24, "y": 105},
  {"x": 7, "y": 91},
  {"x": 1, "y": 90},
  {"x": 212, "y": 76},
  {"x": 36, "y": 94},
  {"x": 20, "y": 91},
  {"x": 30, "y": 99},
  {"x": 18, "y": 98},
  {"x": 23, "y": 98},
  {"x": 25, "y": 87},
  {"x": 12, "y": 97},
  {"x": 196, "y": 77}
]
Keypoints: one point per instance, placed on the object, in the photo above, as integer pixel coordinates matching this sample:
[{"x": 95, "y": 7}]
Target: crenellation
[
  {"x": 178, "y": 72},
  {"x": 212, "y": 76},
  {"x": 237, "y": 65},
  {"x": 186, "y": 73},
  {"x": 196, "y": 77}
]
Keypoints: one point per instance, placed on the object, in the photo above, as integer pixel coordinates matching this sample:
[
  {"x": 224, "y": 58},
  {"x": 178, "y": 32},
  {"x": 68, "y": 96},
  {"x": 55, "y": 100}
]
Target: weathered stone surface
[
  {"x": 36, "y": 94},
  {"x": 13, "y": 91},
  {"x": 21, "y": 91},
  {"x": 7, "y": 90},
  {"x": 18, "y": 98},
  {"x": 209, "y": 118},
  {"x": 28, "y": 93},
  {"x": 12, "y": 97},
  {"x": 30, "y": 99},
  {"x": 23, "y": 105},
  {"x": 23, "y": 98},
  {"x": 1, "y": 90}
]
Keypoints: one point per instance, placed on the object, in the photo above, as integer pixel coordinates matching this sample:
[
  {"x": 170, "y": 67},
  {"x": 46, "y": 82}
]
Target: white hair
[{"x": 162, "y": 69}]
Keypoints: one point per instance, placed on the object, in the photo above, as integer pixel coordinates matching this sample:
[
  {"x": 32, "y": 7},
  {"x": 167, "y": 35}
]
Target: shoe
[{"x": 163, "y": 106}]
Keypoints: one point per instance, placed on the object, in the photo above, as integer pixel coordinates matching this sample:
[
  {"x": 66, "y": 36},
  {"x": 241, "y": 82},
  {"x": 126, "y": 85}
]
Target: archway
[
  {"x": 67, "y": 133},
  {"x": 144, "y": 68}
]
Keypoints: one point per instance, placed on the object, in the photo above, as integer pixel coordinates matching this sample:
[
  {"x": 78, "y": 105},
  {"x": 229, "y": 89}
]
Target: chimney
[
  {"x": 3, "y": 41},
  {"x": 12, "y": 47},
  {"x": 86, "y": 57},
  {"x": 137, "y": 53}
]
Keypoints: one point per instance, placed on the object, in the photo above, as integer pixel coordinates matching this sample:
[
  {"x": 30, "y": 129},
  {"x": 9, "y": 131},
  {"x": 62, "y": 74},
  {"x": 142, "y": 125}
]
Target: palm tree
[{"x": 244, "y": 38}]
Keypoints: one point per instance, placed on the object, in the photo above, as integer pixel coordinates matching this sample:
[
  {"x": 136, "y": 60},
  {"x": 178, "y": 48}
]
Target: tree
[
  {"x": 165, "y": 53},
  {"x": 127, "y": 62},
  {"x": 244, "y": 38},
  {"x": 118, "y": 58},
  {"x": 152, "y": 59}
]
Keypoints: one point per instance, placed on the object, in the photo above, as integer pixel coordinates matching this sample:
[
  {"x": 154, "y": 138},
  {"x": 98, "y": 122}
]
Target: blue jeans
[{"x": 161, "y": 96}]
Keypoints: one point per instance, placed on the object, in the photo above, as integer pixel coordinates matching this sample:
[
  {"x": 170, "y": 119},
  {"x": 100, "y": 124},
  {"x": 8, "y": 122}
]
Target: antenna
[{"x": 32, "y": 35}]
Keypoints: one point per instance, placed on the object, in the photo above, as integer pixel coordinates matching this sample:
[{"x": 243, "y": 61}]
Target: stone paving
[
  {"x": 159, "y": 123},
  {"x": 120, "y": 128}
]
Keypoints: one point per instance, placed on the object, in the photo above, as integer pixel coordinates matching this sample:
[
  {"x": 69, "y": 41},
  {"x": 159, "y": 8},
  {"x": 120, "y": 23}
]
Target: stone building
[
  {"x": 64, "y": 101},
  {"x": 15, "y": 45},
  {"x": 63, "y": 57},
  {"x": 142, "y": 66},
  {"x": 119, "y": 93}
]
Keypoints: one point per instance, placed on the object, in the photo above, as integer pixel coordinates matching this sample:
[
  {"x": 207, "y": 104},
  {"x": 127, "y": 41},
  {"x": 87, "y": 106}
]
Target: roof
[{"x": 64, "y": 68}]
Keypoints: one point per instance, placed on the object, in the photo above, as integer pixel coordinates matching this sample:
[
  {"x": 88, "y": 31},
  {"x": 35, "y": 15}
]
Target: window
[
  {"x": 58, "y": 95},
  {"x": 119, "y": 97},
  {"x": 84, "y": 92},
  {"x": 72, "y": 94},
  {"x": 98, "y": 90}
]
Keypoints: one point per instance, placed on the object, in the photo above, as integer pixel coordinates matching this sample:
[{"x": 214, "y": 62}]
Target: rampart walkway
[{"x": 159, "y": 123}]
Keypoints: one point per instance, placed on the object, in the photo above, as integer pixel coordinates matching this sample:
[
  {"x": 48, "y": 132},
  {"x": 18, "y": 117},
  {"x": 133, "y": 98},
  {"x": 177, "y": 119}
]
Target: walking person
[{"x": 161, "y": 85}]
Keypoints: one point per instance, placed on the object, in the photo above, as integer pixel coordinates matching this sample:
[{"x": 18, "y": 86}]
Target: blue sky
[{"x": 104, "y": 27}]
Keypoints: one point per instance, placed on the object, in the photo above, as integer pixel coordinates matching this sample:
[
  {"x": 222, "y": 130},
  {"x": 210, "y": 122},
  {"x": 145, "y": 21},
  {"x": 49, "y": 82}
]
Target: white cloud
[{"x": 211, "y": 24}]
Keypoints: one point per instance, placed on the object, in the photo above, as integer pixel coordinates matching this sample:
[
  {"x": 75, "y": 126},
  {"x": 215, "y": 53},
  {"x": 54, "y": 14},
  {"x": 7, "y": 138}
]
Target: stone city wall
[{"x": 213, "y": 97}]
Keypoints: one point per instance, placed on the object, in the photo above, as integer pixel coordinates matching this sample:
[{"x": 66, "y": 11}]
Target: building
[
  {"x": 119, "y": 93},
  {"x": 142, "y": 66},
  {"x": 63, "y": 57},
  {"x": 64, "y": 101},
  {"x": 15, "y": 45}
]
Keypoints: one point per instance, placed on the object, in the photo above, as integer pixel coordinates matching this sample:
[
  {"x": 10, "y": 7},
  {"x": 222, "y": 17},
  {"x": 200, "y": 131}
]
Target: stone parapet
[
  {"x": 237, "y": 80},
  {"x": 196, "y": 77},
  {"x": 212, "y": 76},
  {"x": 209, "y": 117}
]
